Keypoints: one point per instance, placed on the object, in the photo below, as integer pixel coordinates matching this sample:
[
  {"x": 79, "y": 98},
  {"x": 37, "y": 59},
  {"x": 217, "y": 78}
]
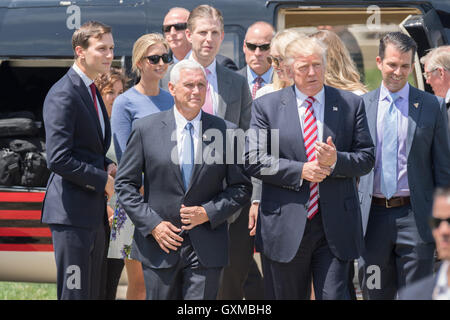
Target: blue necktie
[
  {"x": 187, "y": 161},
  {"x": 389, "y": 150}
]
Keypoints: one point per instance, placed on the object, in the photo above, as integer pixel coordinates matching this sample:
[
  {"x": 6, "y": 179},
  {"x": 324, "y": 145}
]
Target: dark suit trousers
[
  {"x": 79, "y": 256},
  {"x": 395, "y": 255},
  {"x": 241, "y": 277},
  {"x": 292, "y": 280},
  {"x": 187, "y": 280}
]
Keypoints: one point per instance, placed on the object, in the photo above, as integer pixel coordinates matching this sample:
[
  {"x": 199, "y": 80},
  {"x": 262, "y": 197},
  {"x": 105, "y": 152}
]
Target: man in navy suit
[
  {"x": 435, "y": 286},
  {"x": 409, "y": 129},
  {"x": 181, "y": 234},
  {"x": 77, "y": 138},
  {"x": 317, "y": 143}
]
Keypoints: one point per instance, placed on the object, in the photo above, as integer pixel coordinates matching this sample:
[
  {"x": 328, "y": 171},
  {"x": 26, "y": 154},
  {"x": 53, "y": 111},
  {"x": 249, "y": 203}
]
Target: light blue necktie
[
  {"x": 187, "y": 161},
  {"x": 389, "y": 150}
]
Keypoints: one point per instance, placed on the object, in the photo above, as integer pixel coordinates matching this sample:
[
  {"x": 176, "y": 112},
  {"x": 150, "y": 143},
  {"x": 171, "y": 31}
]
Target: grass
[{"x": 27, "y": 291}]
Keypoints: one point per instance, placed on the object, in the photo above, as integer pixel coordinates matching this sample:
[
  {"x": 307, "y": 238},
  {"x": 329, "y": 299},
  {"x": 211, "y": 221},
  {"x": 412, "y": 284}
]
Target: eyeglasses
[
  {"x": 427, "y": 74},
  {"x": 262, "y": 47},
  {"x": 436, "y": 222},
  {"x": 178, "y": 26},
  {"x": 276, "y": 61},
  {"x": 166, "y": 58}
]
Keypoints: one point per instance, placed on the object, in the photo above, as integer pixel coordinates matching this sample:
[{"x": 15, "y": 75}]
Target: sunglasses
[
  {"x": 276, "y": 61},
  {"x": 178, "y": 26},
  {"x": 262, "y": 47},
  {"x": 166, "y": 58},
  {"x": 436, "y": 222}
]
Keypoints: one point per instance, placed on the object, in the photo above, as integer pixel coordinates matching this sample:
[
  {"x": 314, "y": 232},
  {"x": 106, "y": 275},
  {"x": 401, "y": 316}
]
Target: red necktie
[
  {"x": 310, "y": 136},
  {"x": 256, "y": 86},
  {"x": 94, "y": 96}
]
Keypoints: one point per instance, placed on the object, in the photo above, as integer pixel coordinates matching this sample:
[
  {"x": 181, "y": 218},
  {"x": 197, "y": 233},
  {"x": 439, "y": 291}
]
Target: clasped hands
[
  {"x": 109, "y": 188},
  {"x": 167, "y": 234},
  {"x": 320, "y": 168}
]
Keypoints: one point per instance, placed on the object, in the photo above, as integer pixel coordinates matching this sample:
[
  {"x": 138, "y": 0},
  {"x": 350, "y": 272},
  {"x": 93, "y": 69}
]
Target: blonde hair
[
  {"x": 341, "y": 71},
  {"x": 305, "y": 46},
  {"x": 437, "y": 58},
  {"x": 279, "y": 42},
  {"x": 140, "y": 48}
]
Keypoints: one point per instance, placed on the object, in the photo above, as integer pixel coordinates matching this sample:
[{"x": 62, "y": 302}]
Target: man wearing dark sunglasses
[
  {"x": 437, "y": 286},
  {"x": 256, "y": 49},
  {"x": 174, "y": 30}
]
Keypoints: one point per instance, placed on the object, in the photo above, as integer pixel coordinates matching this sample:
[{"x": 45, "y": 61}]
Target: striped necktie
[
  {"x": 256, "y": 86},
  {"x": 310, "y": 135}
]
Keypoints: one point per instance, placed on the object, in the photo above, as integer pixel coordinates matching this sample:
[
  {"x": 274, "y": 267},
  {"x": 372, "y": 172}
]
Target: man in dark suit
[
  {"x": 242, "y": 277},
  {"x": 410, "y": 132},
  {"x": 174, "y": 30},
  {"x": 436, "y": 64},
  {"x": 181, "y": 221},
  {"x": 77, "y": 139},
  {"x": 437, "y": 286},
  {"x": 317, "y": 143}
]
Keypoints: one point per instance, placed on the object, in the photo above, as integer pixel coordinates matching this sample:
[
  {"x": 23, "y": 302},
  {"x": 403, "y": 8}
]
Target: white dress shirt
[
  {"x": 88, "y": 81},
  {"x": 181, "y": 122},
  {"x": 442, "y": 290}
]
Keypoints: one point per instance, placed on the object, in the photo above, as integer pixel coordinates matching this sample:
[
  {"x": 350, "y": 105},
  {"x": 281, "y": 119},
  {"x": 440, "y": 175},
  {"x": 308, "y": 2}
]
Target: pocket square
[
  {"x": 416, "y": 105},
  {"x": 335, "y": 108}
]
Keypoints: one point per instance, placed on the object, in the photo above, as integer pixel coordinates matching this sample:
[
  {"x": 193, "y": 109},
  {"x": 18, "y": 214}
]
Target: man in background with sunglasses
[
  {"x": 436, "y": 287},
  {"x": 174, "y": 30},
  {"x": 242, "y": 277}
]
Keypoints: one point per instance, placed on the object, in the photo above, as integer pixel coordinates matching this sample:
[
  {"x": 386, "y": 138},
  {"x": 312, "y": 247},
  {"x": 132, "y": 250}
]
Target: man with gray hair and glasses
[{"x": 437, "y": 72}]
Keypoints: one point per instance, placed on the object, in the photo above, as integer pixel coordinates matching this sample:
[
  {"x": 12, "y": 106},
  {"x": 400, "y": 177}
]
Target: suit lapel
[
  {"x": 414, "y": 109},
  {"x": 169, "y": 134},
  {"x": 224, "y": 85},
  {"x": 288, "y": 106},
  {"x": 199, "y": 162},
  {"x": 330, "y": 115},
  {"x": 372, "y": 113},
  {"x": 82, "y": 90}
]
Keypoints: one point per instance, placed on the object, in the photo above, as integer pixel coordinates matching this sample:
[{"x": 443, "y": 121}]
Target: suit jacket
[
  {"x": 164, "y": 191},
  {"x": 427, "y": 151},
  {"x": 76, "y": 153},
  {"x": 282, "y": 210},
  {"x": 419, "y": 290}
]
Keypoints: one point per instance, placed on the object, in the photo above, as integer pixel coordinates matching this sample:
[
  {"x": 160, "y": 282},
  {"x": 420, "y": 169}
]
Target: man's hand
[
  {"x": 192, "y": 216},
  {"x": 326, "y": 153},
  {"x": 166, "y": 235},
  {"x": 109, "y": 188},
  {"x": 112, "y": 169},
  {"x": 253, "y": 218},
  {"x": 314, "y": 172}
]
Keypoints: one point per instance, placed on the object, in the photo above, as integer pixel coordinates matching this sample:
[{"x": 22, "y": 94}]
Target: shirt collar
[
  {"x": 442, "y": 281},
  {"x": 402, "y": 93},
  {"x": 181, "y": 121},
  {"x": 211, "y": 67},
  {"x": 301, "y": 97},
  {"x": 87, "y": 81},
  {"x": 447, "y": 97},
  {"x": 267, "y": 76}
]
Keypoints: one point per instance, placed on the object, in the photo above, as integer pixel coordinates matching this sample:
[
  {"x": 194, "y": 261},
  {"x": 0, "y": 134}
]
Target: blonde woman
[
  {"x": 151, "y": 58},
  {"x": 278, "y": 46},
  {"x": 341, "y": 71}
]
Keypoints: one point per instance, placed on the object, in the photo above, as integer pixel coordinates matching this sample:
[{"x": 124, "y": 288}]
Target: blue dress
[{"x": 128, "y": 107}]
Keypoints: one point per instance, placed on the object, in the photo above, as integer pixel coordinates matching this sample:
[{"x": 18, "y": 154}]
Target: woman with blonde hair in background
[
  {"x": 150, "y": 60},
  {"x": 280, "y": 78},
  {"x": 341, "y": 73}
]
